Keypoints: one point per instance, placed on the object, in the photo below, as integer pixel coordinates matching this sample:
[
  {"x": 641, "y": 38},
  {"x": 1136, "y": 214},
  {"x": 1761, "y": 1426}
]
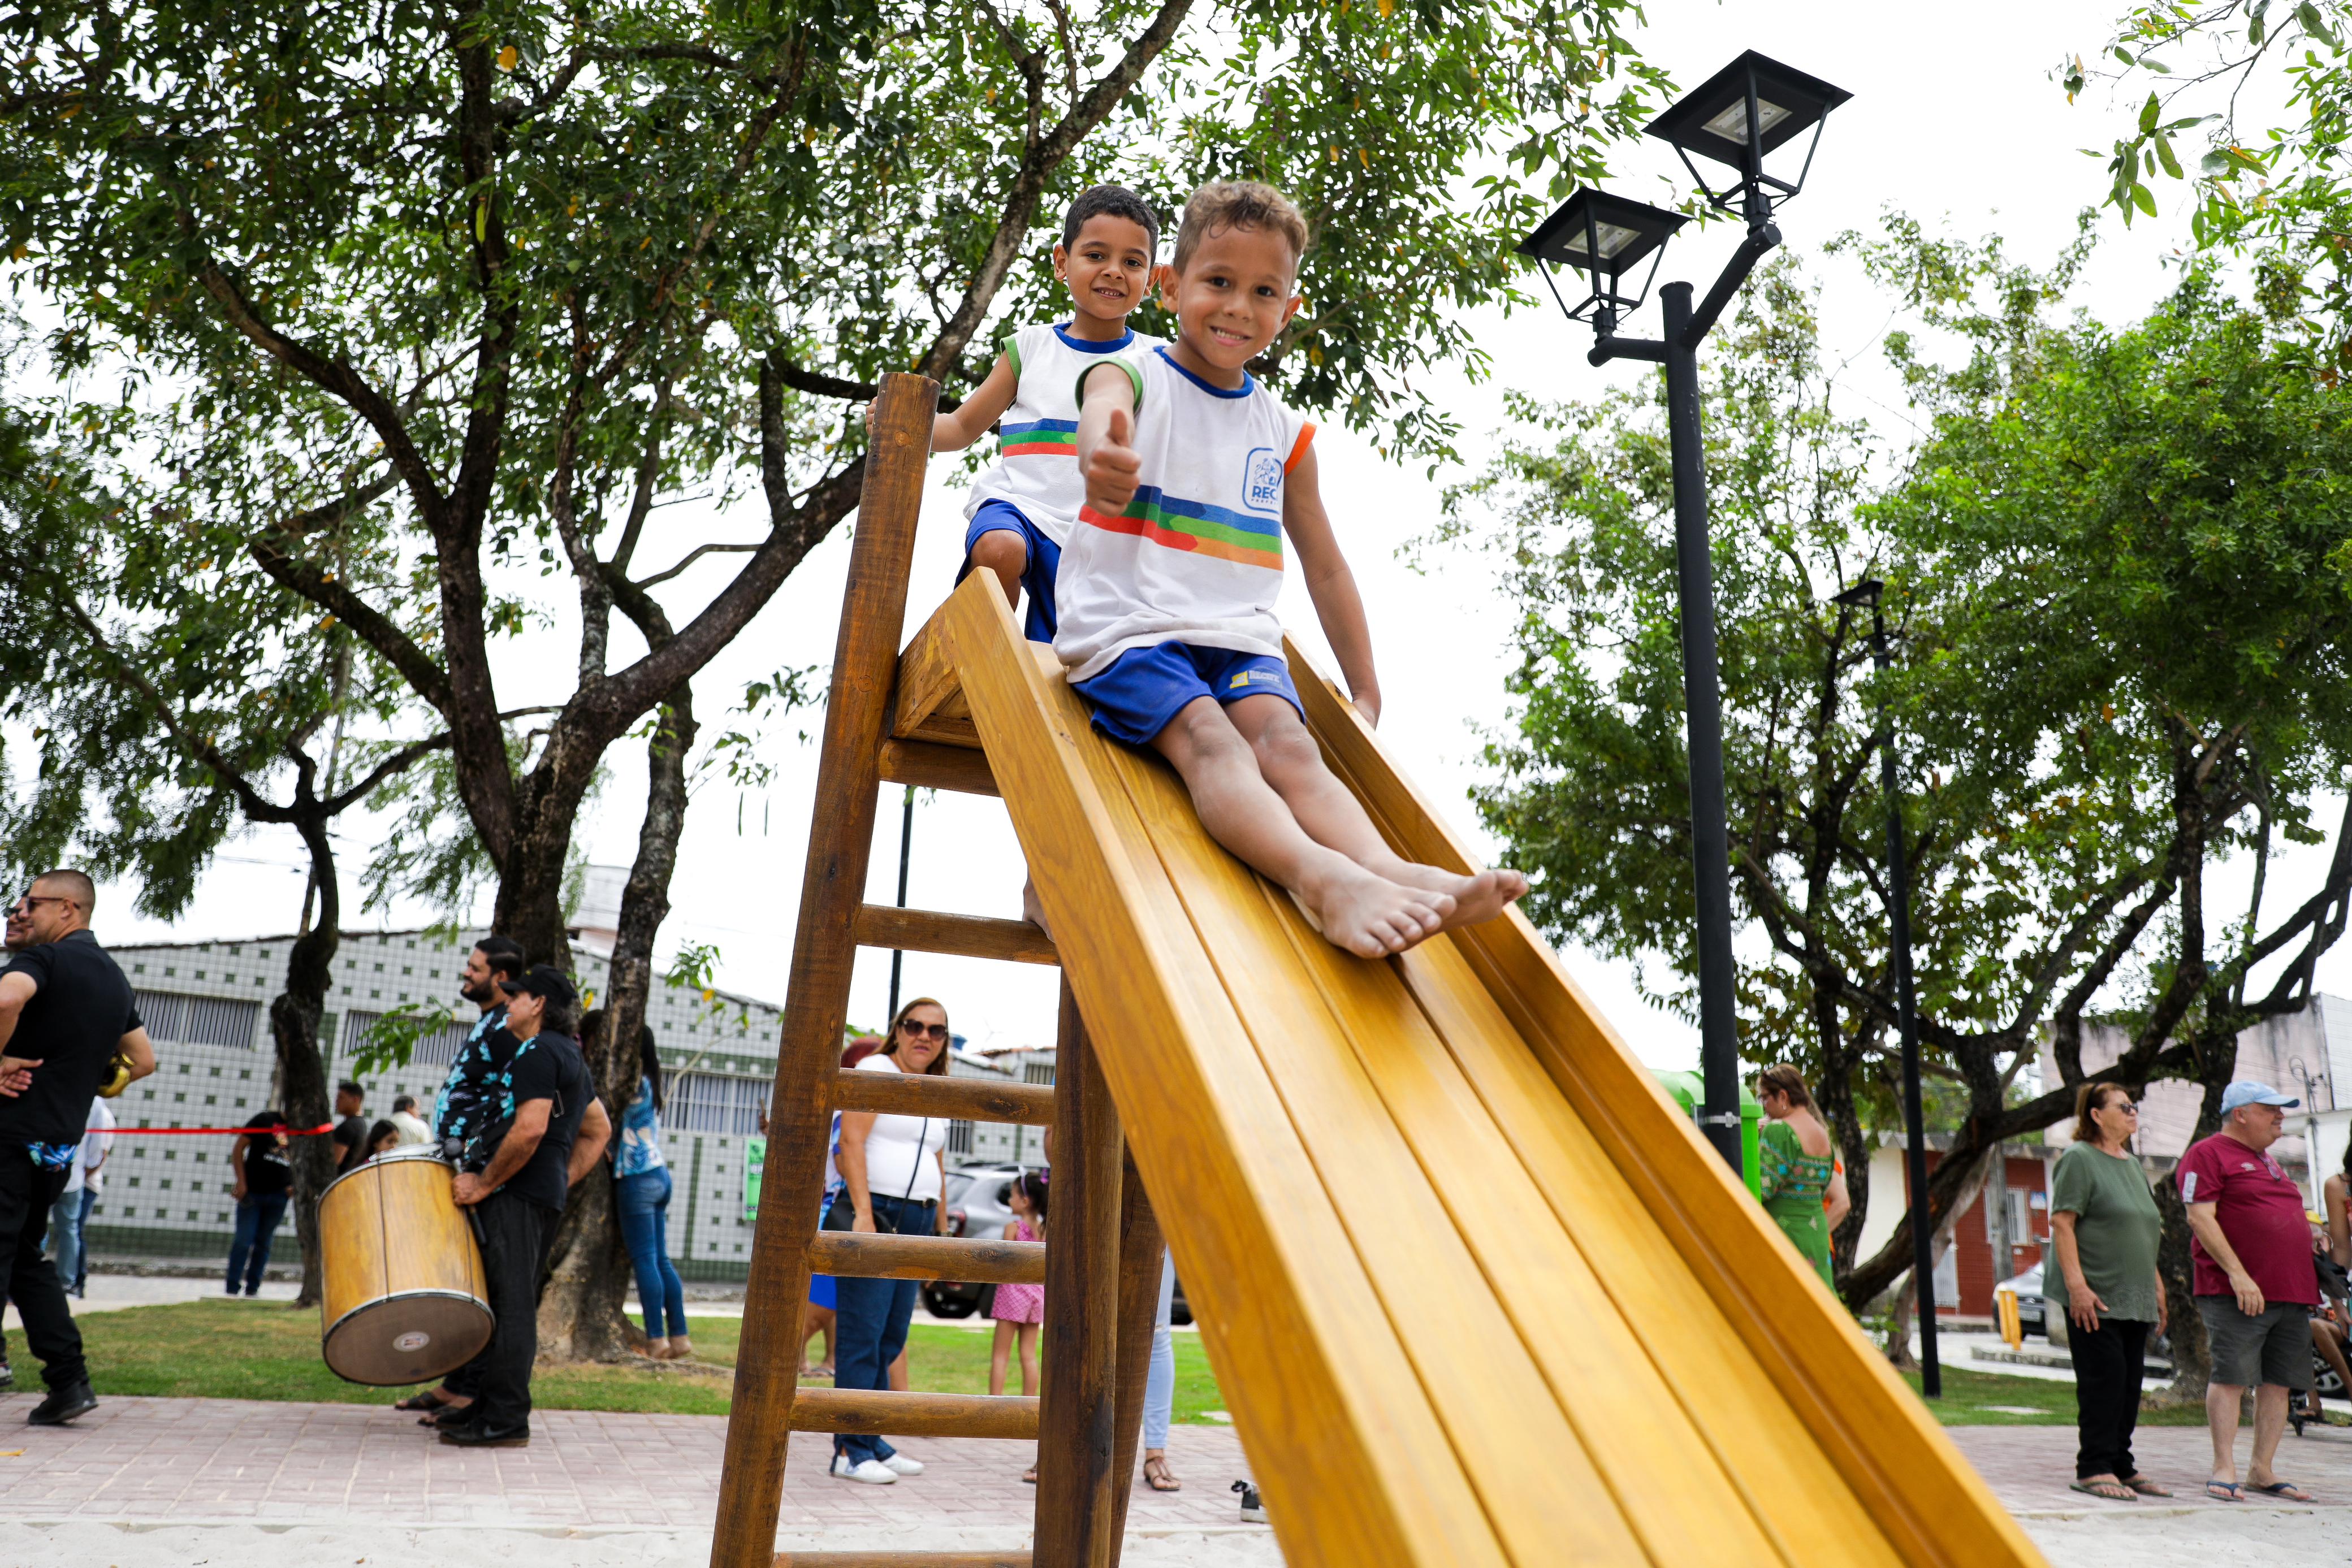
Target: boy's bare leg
[
  {"x": 1293, "y": 765},
  {"x": 1032, "y": 910},
  {"x": 1363, "y": 911},
  {"x": 1006, "y": 553}
]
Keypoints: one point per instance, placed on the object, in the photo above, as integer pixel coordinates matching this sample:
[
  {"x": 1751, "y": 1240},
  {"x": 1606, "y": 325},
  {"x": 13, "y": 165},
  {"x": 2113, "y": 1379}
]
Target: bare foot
[
  {"x": 1371, "y": 916},
  {"x": 1476, "y": 898},
  {"x": 1031, "y": 910}
]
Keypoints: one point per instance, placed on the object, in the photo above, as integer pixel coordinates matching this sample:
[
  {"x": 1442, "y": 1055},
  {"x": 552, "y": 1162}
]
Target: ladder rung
[
  {"x": 978, "y": 1261},
  {"x": 965, "y": 936},
  {"x": 902, "y": 1560},
  {"x": 930, "y": 767},
  {"x": 882, "y": 1412},
  {"x": 951, "y": 1099}
]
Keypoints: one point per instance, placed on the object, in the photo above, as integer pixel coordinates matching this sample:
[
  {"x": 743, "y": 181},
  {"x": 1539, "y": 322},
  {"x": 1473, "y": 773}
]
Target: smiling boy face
[
  {"x": 1107, "y": 266},
  {"x": 1233, "y": 296}
]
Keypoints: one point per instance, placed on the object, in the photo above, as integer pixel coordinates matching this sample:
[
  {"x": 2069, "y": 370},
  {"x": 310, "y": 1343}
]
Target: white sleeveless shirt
[
  {"x": 1036, "y": 456},
  {"x": 900, "y": 1150},
  {"x": 1197, "y": 555}
]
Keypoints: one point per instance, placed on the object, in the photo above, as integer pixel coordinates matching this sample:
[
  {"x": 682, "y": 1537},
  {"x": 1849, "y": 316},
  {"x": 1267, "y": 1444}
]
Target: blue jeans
[
  {"x": 82, "y": 1274},
  {"x": 257, "y": 1214},
  {"x": 65, "y": 1237},
  {"x": 643, "y": 1200},
  {"x": 1160, "y": 1386},
  {"x": 870, "y": 1318}
]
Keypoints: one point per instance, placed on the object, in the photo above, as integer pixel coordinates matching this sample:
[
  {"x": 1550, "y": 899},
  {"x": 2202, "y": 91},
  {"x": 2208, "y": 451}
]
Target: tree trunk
[
  {"x": 580, "y": 1315},
  {"x": 1834, "y": 1097},
  {"x": 2192, "y": 1355},
  {"x": 301, "y": 1066},
  {"x": 1899, "y": 1334}
]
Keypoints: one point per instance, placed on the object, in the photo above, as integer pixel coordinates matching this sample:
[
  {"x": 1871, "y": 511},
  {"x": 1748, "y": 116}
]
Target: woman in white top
[{"x": 893, "y": 1171}]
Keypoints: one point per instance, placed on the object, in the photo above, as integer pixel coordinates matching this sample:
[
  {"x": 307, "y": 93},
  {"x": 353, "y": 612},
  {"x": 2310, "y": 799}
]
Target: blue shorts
[
  {"x": 1144, "y": 688},
  {"x": 1036, "y": 578},
  {"x": 820, "y": 1293}
]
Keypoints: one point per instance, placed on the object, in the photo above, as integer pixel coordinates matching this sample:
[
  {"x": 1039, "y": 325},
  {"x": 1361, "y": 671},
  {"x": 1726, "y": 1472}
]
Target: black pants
[
  {"x": 515, "y": 1234},
  {"x": 2108, "y": 1366},
  {"x": 26, "y": 1194}
]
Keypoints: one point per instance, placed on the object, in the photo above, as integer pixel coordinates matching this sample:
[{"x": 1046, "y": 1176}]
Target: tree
[
  {"x": 523, "y": 273},
  {"x": 2118, "y": 570},
  {"x": 516, "y": 278},
  {"x": 168, "y": 704},
  {"x": 2281, "y": 194}
]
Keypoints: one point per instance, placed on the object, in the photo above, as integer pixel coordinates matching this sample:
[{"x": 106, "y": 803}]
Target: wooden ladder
[{"x": 902, "y": 722}]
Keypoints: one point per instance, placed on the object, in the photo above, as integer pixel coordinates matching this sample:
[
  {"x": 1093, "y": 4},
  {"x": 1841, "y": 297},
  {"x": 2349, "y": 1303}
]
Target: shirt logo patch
[
  {"x": 1249, "y": 677},
  {"x": 1262, "y": 480}
]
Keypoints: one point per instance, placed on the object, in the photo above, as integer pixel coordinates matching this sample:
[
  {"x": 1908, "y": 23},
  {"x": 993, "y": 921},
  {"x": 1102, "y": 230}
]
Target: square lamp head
[
  {"x": 1605, "y": 236},
  {"x": 1712, "y": 120}
]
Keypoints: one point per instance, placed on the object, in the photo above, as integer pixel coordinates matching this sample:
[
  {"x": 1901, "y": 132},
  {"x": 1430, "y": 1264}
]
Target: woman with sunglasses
[
  {"x": 2104, "y": 1226},
  {"x": 893, "y": 1172}
]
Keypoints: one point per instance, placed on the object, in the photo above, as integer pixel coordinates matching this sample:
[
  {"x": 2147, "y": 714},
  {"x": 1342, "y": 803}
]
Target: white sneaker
[
  {"x": 873, "y": 1472},
  {"x": 905, "y": 1466}
]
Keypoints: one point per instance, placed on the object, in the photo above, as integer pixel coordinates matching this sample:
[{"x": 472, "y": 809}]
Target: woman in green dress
[{"x": 1794, "y": 1164}]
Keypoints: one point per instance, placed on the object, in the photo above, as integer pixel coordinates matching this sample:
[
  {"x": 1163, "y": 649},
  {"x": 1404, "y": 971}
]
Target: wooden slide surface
[{"x": 1476, "y": 1292}]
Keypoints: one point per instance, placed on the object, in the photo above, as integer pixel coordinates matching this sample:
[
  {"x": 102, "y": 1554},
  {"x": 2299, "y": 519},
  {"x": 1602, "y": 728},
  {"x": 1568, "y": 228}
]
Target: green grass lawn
[
  {"x": 1990, "y": 1400},
  {"x": 224, "y": 1349}
]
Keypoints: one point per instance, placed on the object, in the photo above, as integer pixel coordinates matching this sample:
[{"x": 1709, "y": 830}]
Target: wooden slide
[{"x": 1476, "y": 1294}]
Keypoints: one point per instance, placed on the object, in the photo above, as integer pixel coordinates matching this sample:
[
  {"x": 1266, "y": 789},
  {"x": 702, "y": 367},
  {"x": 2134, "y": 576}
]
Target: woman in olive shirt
[{"x": 2103, "y": 1221}]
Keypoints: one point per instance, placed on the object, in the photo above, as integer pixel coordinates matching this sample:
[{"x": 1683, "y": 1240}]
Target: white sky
[{"x": 1953, "y": 119}]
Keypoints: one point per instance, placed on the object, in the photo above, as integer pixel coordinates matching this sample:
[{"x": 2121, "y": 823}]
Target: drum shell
[{"x": 404, "y": 1300}]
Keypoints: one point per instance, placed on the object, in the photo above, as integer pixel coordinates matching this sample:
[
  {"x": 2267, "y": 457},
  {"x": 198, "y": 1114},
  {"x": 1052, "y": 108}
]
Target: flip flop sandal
[
  {"x": 2113, "y": 1491},
  {"x": 2146, "y": 1488},
  {"x": 2223, "y": 1491},
  {"x": 1159, "y": 1476},
  {"x": 429, "y": 1400},
  {"x": 2279, "y": 1489}
]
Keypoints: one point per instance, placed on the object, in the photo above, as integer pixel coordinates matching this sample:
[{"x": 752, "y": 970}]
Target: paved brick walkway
[
  {"x": 209, "y": 1460},
  {"x": 2031, "y": 1467}
]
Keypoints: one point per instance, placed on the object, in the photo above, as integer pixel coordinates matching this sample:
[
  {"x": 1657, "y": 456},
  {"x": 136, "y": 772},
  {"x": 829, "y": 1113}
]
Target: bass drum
[{"x": 405, "y": 1301}]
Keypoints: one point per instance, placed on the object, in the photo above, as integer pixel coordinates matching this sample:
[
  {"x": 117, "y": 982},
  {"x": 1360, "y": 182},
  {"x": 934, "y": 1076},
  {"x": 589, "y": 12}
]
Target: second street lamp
[{"x": 1750, "y": 107}]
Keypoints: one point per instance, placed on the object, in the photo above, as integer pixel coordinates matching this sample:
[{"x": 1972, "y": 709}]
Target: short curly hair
[{"x": 1223, "y": 204}]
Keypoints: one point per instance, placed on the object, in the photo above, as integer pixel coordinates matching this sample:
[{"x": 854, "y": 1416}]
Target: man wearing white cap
[{"x": 2254, "y": 1281}]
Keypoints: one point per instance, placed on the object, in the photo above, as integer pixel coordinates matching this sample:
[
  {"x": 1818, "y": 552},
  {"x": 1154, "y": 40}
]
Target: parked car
[{"x": 976, "y": 1205}]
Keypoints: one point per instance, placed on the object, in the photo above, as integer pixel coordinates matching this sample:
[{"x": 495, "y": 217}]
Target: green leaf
[
  {"x": 2145, "y": 198},
  {"x": 2164, "y": 156},
  {"x": 2215, "y": 164},
  {"x": 2150, "y": 112},
  {"x": 2309, "y": 15},
  {"x": 2125, "y": 55}
]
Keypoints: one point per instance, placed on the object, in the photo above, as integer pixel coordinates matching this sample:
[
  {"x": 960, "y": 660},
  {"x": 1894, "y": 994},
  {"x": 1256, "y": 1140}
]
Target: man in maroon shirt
[{"x": 2255, "y": 1284}]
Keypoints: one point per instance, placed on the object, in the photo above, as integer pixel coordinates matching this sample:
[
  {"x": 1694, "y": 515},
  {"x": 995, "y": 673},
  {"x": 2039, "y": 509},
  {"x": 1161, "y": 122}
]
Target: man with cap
[
  {"x": 550, "y": 1131},
  {"x": 2250, "y": 1250},
  {"x": 66, "y": 1016}
]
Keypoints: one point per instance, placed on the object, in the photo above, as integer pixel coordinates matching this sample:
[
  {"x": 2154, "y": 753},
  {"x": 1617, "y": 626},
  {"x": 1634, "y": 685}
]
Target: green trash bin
[{"x": 1689, "y": 1091}]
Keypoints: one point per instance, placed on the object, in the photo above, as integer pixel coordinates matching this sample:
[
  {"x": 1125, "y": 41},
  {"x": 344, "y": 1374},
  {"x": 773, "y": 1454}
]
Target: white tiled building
[{"x": 206, "y": 1005}]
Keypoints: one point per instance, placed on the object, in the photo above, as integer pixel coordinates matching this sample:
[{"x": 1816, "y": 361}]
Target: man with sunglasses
[{"x": 66, "y": 1014}]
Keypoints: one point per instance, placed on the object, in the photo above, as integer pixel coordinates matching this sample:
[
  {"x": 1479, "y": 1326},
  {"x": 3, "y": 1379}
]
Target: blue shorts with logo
[
  {"x": 1036, "y": 578},
  {"x": 1144, "y": 688}
]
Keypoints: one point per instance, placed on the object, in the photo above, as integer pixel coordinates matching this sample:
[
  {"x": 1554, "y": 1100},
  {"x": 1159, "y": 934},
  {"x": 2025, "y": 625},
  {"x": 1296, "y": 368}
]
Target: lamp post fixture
[
  {"x": 1750, "y": 107},
  {"x": 1869, "y": 592}
]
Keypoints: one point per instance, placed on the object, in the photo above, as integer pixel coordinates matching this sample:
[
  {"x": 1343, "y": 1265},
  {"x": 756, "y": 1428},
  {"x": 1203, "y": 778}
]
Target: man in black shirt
[
  {"x": 556, "y": 1134},
  {"x": 351, "y": 1129},
  {"x": 65, "y": 1016}
]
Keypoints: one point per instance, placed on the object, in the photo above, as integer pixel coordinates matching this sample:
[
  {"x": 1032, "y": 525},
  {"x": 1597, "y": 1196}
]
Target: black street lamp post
[
  {"x": 1745, "y": 111},
  {"x": 1870, "y": 592}
]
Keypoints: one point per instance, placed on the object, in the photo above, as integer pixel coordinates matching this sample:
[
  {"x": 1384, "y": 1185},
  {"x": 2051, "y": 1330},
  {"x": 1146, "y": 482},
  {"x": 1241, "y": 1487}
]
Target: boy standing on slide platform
[
  {"x": 1193, "y": 474},
  {"x": 1020, "y": 510}
]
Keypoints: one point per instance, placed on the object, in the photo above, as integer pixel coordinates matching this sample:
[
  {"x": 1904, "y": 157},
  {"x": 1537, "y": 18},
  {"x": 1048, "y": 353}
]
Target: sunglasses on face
[
  {"x": 27, "y": 902},
  {"x": 935, "y": 1030}
]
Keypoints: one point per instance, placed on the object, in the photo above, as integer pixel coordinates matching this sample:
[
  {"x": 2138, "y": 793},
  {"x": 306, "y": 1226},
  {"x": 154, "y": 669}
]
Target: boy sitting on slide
[
  {"x": 1020, "y": 510},
  {"x": 1193, "y": 474}
]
